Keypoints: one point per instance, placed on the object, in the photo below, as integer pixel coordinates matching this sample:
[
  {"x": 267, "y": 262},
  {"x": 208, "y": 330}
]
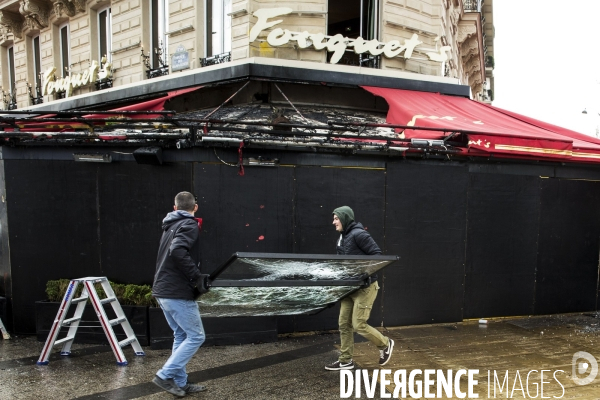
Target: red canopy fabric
[
  {"x": 489, "y": 129},
  {"x": 150, "y": 105}
]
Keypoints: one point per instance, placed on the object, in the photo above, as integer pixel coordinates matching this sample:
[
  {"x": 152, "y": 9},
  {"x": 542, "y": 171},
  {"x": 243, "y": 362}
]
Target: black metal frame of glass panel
[{"x": 356, "y": 280}]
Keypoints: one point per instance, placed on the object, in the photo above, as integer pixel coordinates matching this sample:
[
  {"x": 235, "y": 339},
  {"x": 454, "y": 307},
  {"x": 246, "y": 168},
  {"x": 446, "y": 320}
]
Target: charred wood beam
[{"x": 71, "y": 112}]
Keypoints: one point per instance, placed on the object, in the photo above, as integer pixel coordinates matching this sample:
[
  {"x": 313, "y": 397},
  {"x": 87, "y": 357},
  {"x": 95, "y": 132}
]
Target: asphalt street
[{"x": 293, "y": 367}]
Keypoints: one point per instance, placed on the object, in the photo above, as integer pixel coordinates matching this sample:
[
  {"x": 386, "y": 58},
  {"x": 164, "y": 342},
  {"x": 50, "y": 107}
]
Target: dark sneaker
[
  {"x": 168, "y": 385},
  {"x": 336, "y": 366},
  {"x": 386, "y": 354},
  {"x": 193, "y": 388}
]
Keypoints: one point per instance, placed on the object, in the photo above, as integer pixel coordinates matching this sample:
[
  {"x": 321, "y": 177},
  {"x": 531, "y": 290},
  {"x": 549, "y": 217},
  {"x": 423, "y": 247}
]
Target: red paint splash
[{"x": 261, "y": 237}]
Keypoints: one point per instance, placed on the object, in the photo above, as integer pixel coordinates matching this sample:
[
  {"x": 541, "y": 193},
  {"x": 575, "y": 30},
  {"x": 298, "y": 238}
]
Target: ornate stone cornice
[
  {"x": 13, "y": 22},
  {"x": 68, "y": 7},
  {"x": 3, "y": 33},
  {"x": 465, "y": 31},
  {"x": 36, "y": 13},
  {"x": 469, "y": 49},
  {"x": 475, "y": 83},
  {"x": 454, "y": 18}
]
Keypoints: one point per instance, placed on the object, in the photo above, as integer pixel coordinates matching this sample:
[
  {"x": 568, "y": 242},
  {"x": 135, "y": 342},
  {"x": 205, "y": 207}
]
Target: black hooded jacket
[
  {"x": 177, "y": 263},
  {"x": 355, "y": 240}
]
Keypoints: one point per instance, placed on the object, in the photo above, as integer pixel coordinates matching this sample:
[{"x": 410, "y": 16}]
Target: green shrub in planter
[
  {"x": 134, "y": 295},
  {"x": 139, "y": 295},
  {"x": 55, "y": 290}
]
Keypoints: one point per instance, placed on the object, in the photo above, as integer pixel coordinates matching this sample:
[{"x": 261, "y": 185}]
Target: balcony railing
[
  {"x": 10, "y": 98},
  {"x": 472, "y": 5},
  {"x": 162, "y": 68},
  {"x": 35, "y": 95},
  {"x": 216, "y": 59}
]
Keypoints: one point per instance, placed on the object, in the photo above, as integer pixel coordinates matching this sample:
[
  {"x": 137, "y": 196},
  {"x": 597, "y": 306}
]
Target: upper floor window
[
  {"x": 354, "y": 18},
  {"x": 12, "y": 75},
  {"x": 160, "y": 22},
  {"x": 104, "y": 34},
  {"x": 65, "y": 63},
  {"x": 218, "y": 28},
  {"x": 10, "y": 98},
  {"x": 37, "y": 61}
]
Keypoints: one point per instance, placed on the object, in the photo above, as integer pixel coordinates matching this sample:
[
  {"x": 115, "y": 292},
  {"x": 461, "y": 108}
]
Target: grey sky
[{"x": 547, "y": 61}]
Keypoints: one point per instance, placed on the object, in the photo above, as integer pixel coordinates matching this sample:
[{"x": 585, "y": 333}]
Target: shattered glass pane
[
  {"x": 264, "y": 269},
  {"x": 263, "y": 284},
  {"x": 265, "y": 301}
]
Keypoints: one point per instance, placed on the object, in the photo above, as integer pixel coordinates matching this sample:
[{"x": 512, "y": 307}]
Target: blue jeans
[{"x": 183, "y": 317}]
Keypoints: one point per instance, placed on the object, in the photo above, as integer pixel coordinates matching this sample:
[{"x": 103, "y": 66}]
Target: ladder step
[
  {"x": 79, "y": 300},
  {"x": 125, "y": 342},
  {"x": 117, "y": 321},
  {"x": 108, "y": 300},
  {"x": 71, "y": 320},
  {"x": 65, "y": 340}
]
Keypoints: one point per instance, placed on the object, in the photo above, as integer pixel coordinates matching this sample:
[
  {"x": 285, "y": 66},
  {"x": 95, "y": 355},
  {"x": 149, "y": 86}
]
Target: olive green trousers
[{"x": 354, "y": 313}]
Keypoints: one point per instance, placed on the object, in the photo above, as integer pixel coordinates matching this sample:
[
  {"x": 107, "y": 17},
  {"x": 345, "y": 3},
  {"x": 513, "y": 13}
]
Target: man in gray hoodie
[
  {"x": 176, "y": 278},
  {"x": 356, "y": 308}
]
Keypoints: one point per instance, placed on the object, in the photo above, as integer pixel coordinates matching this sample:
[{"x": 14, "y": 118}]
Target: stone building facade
[{"x": 50, "y": 49}]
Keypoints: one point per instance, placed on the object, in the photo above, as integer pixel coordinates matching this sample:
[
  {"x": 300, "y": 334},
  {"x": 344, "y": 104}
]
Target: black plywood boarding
[
  {"x": 567, "y": 268},
  {"x": 53, "y": 214},
  {"x": 502, "y": 234},
  {"x": 320, "y": 190},
  {"x": 133, "y": 200},
  {"x": 251, "y": 213},
  {"x": 425, "y": 225},
  {"x": 5, "y": 270},
  {"x": 472, "y": 244}
]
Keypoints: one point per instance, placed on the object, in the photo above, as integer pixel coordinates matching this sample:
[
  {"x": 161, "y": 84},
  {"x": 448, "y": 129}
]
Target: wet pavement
[{"x": 292, "y": 368}]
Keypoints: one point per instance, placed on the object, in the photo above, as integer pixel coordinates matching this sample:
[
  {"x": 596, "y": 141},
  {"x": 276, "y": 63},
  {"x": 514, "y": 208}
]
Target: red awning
[
  {"x": 489, "y": 130},
  {"x": 150, "y": 105}
]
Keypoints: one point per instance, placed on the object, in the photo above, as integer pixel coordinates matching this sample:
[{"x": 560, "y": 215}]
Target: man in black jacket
[
  {"x": 356, "y": 308},
  {"x": 177, "y": 274}
]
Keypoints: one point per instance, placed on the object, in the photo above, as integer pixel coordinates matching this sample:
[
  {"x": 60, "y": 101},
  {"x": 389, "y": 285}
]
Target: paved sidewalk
[{"x": 292, "y": 368}]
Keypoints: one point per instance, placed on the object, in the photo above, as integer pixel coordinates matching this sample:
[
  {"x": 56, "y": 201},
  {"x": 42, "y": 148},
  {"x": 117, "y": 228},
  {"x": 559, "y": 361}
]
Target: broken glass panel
[
  {"x": 261, "y": 284},
  {"x": 264, "y": 301}
]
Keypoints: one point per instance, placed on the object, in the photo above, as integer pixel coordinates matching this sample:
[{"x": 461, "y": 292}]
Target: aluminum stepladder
[
  {"x": 89, "y": 292},
  {"x": 5, "y": 334}
]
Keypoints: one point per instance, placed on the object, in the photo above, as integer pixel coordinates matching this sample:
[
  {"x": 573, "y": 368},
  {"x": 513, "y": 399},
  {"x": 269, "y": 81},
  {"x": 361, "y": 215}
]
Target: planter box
[
  {"x": 45, "y": 313},
  {"x": 219, "y": 331}
]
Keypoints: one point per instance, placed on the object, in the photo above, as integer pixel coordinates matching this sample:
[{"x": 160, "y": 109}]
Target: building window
[
  {"x": 12, "y": 75},
  {"x": 354, "y": 18},
  {"x": 37, "y": 61},
  {"x": 63, "y": 31},
  {"x": 105, "y": 34},
  {"x": 10, "y": 98},
  {"x": 218, "y": 28},
  {"x": 35, "y": 90},
  {"x": 160, "y": 22}
]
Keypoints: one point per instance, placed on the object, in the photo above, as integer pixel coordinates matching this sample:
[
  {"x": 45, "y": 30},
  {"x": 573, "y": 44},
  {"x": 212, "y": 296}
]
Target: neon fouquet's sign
[
  {"x": 88, "y": 76},
  {"x": 336, "y": 44}
]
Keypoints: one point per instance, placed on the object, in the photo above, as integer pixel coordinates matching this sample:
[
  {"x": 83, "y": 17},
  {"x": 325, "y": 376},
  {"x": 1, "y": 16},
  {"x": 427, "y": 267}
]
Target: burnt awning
[{"x": 489, "y": 130}]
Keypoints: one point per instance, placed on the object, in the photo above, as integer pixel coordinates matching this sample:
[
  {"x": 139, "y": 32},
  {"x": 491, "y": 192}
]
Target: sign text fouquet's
[
  {"x": 86, "y": 77},
  {"x": 336, "y": 44}
]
